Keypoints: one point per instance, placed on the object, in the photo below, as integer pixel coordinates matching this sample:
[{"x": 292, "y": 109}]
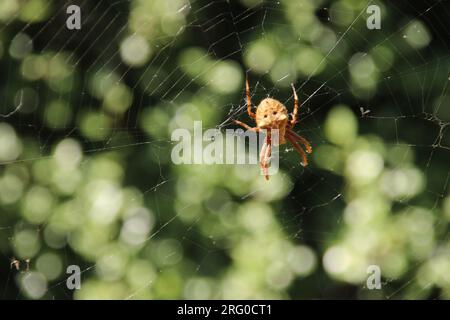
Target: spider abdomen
[{"x": 272, "y": 114}]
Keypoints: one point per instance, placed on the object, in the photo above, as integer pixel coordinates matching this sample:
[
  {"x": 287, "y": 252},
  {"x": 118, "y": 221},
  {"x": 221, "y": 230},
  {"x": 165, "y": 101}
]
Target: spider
[{"x": 272, "y": 114}]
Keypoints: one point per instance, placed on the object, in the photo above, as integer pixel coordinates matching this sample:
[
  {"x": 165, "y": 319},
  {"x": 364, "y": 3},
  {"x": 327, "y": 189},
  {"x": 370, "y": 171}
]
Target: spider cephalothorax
[{"x": 272, "y": 114}]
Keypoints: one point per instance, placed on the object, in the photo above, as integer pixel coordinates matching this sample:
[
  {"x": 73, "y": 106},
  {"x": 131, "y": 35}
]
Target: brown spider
[{"x": 272, "y": 114}]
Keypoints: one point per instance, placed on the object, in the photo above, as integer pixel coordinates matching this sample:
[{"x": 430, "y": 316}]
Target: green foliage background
[{"x": 86, "y": 176}]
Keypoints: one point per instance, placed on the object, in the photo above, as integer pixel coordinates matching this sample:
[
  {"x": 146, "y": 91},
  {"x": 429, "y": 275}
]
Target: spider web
[{"x": 203, "y": 226}]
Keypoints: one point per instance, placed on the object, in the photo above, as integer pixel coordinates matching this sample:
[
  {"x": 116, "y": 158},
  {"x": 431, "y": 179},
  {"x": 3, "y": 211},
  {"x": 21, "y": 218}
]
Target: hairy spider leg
[
  {"x": 262, "y": 160},
  {"x": 299, "y": 150},
  {"x": 299, "y": 138},
  {"x": 246, "y": 126},
  {"x": 264, "y": 156},
  {"x": 294, "y": 113},
  {"x": 249, "y": 99}
]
